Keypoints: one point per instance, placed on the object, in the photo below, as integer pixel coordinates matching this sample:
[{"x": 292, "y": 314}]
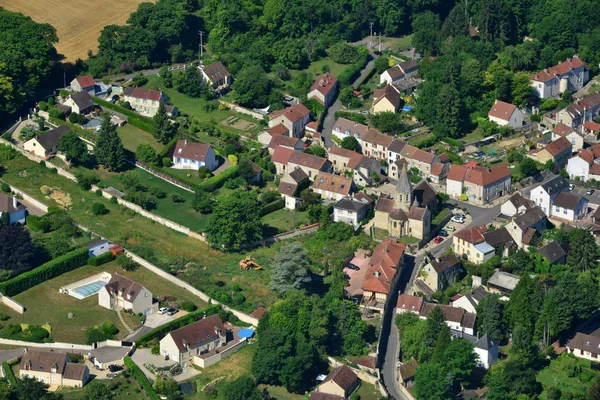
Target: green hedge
[
  {"x": 161, "y": 331},
  {"x": 141, "y": 378},
  {"x": 165, "y": 151},
  {"x": 349, "y": 75},
  {"x": 212, "y": 184},
  {"x": 34, "y": 223},
  {"x": 271, "y": 207},
  {"x": 145, "y": 124},
  {"x": 101, "y": 259},
  {"x": 80, "y": 131},
  {"x": 68, "y": 262},
  {"x": 8, "y": 373}
]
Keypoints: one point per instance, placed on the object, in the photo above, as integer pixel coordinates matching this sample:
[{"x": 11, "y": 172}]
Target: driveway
[
  {"x": 152, "y": 321},
  {"x": 145, "y": 356},
  {"x": 356, "y": 277}
]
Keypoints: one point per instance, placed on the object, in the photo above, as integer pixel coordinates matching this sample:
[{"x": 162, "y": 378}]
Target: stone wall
[
  {"x": 207, "y": 362},
  {"x": 12, "y": 304}
]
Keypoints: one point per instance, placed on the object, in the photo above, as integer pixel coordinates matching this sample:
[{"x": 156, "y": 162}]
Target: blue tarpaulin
[
  {"x": 407, "y": 108},
  {"x": 246, "y": 333}
]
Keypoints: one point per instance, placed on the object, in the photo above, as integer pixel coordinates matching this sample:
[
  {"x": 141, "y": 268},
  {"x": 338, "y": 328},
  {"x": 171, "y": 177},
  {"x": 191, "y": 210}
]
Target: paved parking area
[
  {"x": 593, "y": 199},
  {"x": 155, "y": 320},
  {"x": 145, "y": 356},
  {"x": 356, "y": 277}
]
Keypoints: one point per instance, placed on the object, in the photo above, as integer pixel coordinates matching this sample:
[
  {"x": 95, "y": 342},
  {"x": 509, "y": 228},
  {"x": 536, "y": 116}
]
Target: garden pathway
[{"x": 123, "y": 321}]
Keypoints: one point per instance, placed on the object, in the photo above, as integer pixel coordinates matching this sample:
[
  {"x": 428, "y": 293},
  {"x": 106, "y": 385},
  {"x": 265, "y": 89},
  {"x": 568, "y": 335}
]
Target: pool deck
[{"x": 71, "y": 289}]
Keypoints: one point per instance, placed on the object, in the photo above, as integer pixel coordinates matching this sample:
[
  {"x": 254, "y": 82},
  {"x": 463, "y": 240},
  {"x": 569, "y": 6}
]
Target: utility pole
[
  {"x": 65, "y": 79},
  {"x": 201, "y": 33},
  {"x": 371, "y": 36},
  {"x": 379, "y": 42}
]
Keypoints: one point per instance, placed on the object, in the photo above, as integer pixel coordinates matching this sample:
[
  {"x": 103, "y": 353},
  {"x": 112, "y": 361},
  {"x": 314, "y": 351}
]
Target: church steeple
[{"x": 403, "y": 190}]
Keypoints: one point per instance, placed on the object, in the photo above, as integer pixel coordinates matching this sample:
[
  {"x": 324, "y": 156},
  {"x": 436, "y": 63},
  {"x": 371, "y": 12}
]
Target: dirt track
[{"x": 78, "y": 23}]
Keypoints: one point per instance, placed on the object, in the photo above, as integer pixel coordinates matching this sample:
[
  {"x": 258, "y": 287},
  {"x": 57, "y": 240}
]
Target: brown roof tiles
[
  {"x": 192, "y": 150},
  {"x": 472, "y": 235},
  {"x": 502, "y": 110},
  {"x": 559, "y": 146},
  {"x": 333, "y": 183},
  {"x": 198, "y": 332},
  {"x": 293, "y": 113}
]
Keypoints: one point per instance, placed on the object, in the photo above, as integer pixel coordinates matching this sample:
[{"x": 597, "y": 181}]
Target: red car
[{"x": 438, "y": 240}]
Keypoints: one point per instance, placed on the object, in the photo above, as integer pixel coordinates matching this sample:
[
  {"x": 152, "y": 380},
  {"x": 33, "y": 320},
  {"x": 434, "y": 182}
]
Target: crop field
[{"x": 78, "y": 22}]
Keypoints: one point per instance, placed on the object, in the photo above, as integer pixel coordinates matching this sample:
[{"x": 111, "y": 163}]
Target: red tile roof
[
  {"x": 333, "y": 183},
  {"x": 278, "y": 129},
  {"x": 457, "y": 173},
  {"x": 258, "y": 313},
  {"x": 558, "y": 146},
  {"x": 287, "y": 188},
  {"x": 140, "y": 93},
  {"x": 344, "y": 377},
  {"x": 293, "y": 113},
  {"x": 502, "y": 110},
  {"x": 324, "y": 84},
  {"x": 353, "y": 157},
  {"x": 375, "y": 137},
  {"x": 409, "y": 303},
  {"x": 415, "y": 153},
  {"x": 485, "y": 176},
  {"x": 286, "y": 141},
  {"x": 472, "y": 235},
  {"x": 560, "y": 69},
  {"x": 191, "y": 150},
  {"x": 85, "y": 81},
  {"x": 198, "y": 332},
  {"x": 592, "y": 126},
  {"x": 306, "y": 160},
  {"x": 562, "y": 129},
  {"x": 388, "y": 253},
  {"x": 281, "y": 155},
  {"x": 437, "y": 169},
  {"x": 312, "y": 126},
  {"x": 389, "y": 92}
]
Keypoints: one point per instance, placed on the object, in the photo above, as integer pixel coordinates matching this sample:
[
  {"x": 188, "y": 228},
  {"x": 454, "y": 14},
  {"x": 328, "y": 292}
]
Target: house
[
  {"x": 553, "y": 253},
  {"x": 333, "y": 187},
  {"x": 527, "y": 226},
  {"x": 558, "y": 151},
  {"x": 146, "y": 101},
  {"x": 324, "y": 90},
  {"x": 399, "y": 72},
  {"x": 481, "y": 185},
  {"x": 406, "y": 372},
  {"x": 506, "y": 114},
  {"x": 285, "y": 141},
  {"x": 486, "y": 349},
  {"x": 84, "y": 84},
  {"x": 584, "y": 346},
  {"x": 381, "y": 270},
  {"x": 192, "y": 155},
  {"x": 502, "y": 282},
  {"x": 184, "y": 344},
  {"x": 386, "y": 99},
  {"x": 342, "y": 381},
  {"x": 457, "y": 319},
  {"x": 502, "y": 241},
  {"x": 570, "y": 207},
  {"x": 287, "y": 160},
  {"x": 97, "y": 247},
  {"x": 439, "y": 172},
  {"x": 352, "y": 210},
  {"x": 216, "y": 75},
  {"x": 416, "y": 158},
  {"x": 375, "y": 144},
  {"x": 591, "y": 128},
  {"x": 407, "y": 303},
  {"x": 405, "y": 214},
  {"x": 571, "y": 74},
  {"x": 343, "y": 128},
  {"x": 122, "y": 293},
  {"x": 516, "y": 204},
  {"x": 291, "y": 186},
  {"x": 442, "y": 272},
  {"x": 324, "y": 396},
  {"x": 544, "y": 194},
  {"x": 294, "y": 118},
  {"x": 80, "y": 103},
  {"x": 362, "y": 167},
  {"x": 471, "y": 242},
  {"x": 562, "y": 130},
  {"x": 581, "y": 111},
  {"x": 17, "y": 212},
  {"x": 277, "y": 130},
  {"x": 53, "y": 368},
  {"x": 585, "y": 165},
  {"x": 471, "y": 300},
  {"x": 46, "y": 144}
]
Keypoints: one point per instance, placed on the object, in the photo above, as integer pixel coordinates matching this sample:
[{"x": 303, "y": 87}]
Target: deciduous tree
[{"x": 74, "y": 149}]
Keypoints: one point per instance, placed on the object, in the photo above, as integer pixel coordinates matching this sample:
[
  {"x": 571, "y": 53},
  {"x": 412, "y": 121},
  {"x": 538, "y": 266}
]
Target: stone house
[
  {"x": 324, "y": 90},
  {"x": 52, "y": 368},
  {"x": 80, "y": 103},
  {"x": 457, "y": 319},
  {"x": 343, "y": 128},
  {"x": 558, "y": 151},
  {"x": 294, "y": 119},
  {"x": 216, "y": 75},
  {"x": 333, "y": 187},
  {"x": 586, "y": 164},
  {"x": 353, "y": 209},
  {"x": 481, "y": 185},
  {"x": 123, "y": 293},
  {"x": 191, "y": 155},
  {"x": 84, "y": 83},
  {"x": 525, "y": 227},
  {"x": 571, "y": 74},
  {"x": 443, "y": 272},
  {"x": 562, "y": 130},
  {"x": 386, "y": 99},
  {"x": 375, "y": 144},
  {"x": 543, "y": 195},
  {"x": 506, "y": 114},
  {"x": 382, "y": 266},
  {"x": 342, "y": 381},
  {"x": 291, "y": 186},
  {"x": 471, "y": 242},
  {"x": 287, "y": 160},
  {"x": 46, "y": 144},
  {"x": 581, "y": 111},
  {"x": 146, "y": 101}
]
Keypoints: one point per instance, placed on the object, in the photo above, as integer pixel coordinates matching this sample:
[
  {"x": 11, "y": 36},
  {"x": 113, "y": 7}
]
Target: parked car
[
  {"x": 450, "y": 228},
  {"x": 571, "y": 187},
  {"x": 306, "y": 143},
  {"x": 458, "y": 219},
  {"x": 352, "y": 266},
  {"x": 591, "y": 191},
  {"x": 172, "y": 311},
  {"x": 438, "y": 240},
  {"x": 114, "y": 368},
  {"x": 162, "y": 310},
  {"x": 443, "y": 233}
]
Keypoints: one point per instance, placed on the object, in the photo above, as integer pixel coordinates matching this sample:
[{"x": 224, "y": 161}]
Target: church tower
[{"x": 403, "y": 198}]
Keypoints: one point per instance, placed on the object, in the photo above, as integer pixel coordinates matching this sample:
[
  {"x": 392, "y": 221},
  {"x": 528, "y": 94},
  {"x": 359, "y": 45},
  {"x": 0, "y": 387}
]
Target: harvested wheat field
[{"x": 78, "y": 22}]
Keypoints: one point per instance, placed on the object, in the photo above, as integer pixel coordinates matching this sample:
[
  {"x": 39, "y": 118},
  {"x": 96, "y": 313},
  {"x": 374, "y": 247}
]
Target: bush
[
  {"x": 101, "y": 259},
  {"x": 271, "y": 207},
  {"x": 188, "y": 306},
  {"x": 127, "y": 263},
  {"x": 12, "y": 330},
  {"x": 536, "y": 118},
  {"x": 141, "y": 378},
  {"x": 85, "y": 181},
  {"x": 177, "y": 198},
  {"x": 108, "y": 328},
  {"x": 5, "y": 187},
  {"x": 68, "y": 262},
  {"x": 56, "y": 113},
  {"x": 73, "y": 118},
  {"x": 343, "y": 53},
  {"x": 3, "y": 317},
  {"x": 8, "y": 373},
  {"x": 98, "y": 192},
  {"x": 215, "y": 182},
  {"x": 99, "y": 209},
  {"x": 38, "y": 334},
  {"x": 204, "y": 172},
  {"x": 166, "y": 162},
  {"x": 348, "y": 76}
]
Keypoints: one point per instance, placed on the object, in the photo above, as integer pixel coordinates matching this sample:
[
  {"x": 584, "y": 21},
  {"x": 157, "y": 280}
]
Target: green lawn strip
[
  {"x": 315, "y": 69},
  {"x": 440, "y": 216},
  {"x": 132, "y": 137},
  {"x": 285, "y": 220},
  {"x": 141, "y": 378},
  {"x": 133, "y": 118},
  {"x": 9, "y": 375},
  {"x": 121, "y": 388},
  {"x": 553, "y": 375},
  {"x": 367, "y": 391}
]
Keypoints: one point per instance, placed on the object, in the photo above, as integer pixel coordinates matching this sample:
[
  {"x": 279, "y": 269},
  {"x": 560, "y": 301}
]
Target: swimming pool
[{"x": 89, "y": 288}]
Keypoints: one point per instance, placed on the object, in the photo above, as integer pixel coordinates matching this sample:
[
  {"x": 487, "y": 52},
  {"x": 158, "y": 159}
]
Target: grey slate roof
[
  {"x": 7, "y": 204},
  {"x": 504, "y": 280},
  {"x": 498, "y": 237},
  {"x": 424, "y": 194},
  {"x": 350, "y": 204},
  {"x": 51, "y": 138},
  {"x": 529, "y": 218},
  {"x": 445, "y": 262},
  {"x": 82, "y": 99},
  {"x": 552, "y": 252},
  {"x": 403, "y": 185},
  {"x": 567, "y": 200},
  {"x": 485, "y": 342},
  {"x": 555, "y": 185}
]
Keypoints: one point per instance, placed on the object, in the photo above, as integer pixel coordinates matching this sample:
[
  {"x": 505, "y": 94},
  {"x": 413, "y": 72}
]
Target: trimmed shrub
[
  {"x": 99, "y": 209},
  {"x": 348, "y": 75},
  {"x": 101, "y": 259},
  {"x": 135, "y": 119},
  {"x": 165, "y": 151},
  {"x": 8, "y": 373},
  {"x": 5, "y": 187},
  {"x": 166, "y": 162},
  {"x": 271, "y": 207},
  {"x": 176, "y": 198},
  {"x": 215, "y": 182},
  {"x": 68, "y": 262},
  {"x": 141, "y": 378},
  {"x": 38, "y": 334},
  {"x": 188, "y": 306},
  {"x": 85, "y": 181}
]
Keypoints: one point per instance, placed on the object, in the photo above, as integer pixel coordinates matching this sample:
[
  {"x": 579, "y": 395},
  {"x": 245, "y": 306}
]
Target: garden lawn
[
  {"x": 316, "y": 67},
  {"x": 554, "y": 375},
  {"x": 367, "y": 391},
  {"x": 121, "y": 388},
  {"x": 285, "y": 220},
  {"x": 440, "y": 216},
  {"x": 400, "y": 43},
  {"x": 152, "y": 241},
  {"x": 132, "y": 137}
]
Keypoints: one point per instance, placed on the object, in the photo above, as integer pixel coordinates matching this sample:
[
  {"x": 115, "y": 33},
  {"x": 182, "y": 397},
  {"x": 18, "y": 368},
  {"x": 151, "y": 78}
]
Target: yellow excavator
[{"x": 248, "y": 263}]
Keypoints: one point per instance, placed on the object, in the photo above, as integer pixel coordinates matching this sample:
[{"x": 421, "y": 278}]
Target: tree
[
  {"x": 146, "y": 153},
  {"x": 191, "y": 83},
  {"x": 457, "y": 23},
  {"x": 96, "y": 391},
  {"x": 460, "y": 360},
  {"x": 521, "y": 88},
  {"x": 449, "y": 117},
  {"x": 528, "y": 167},
  {"x": 235, "y": 221},
  {"x": 426, "y": 31},
  {"x": 202, "y": 202},
  {"x": 246, "y": 170},
  {"x": 343, "y": 53},
  {"x": 431, "y": 383},
  {"x": 109, "y": 148},
  {"x": 74, "y": 149},
  {"x": 252, "y": 87},
  {"x": 350, "y": 143},
  {"x": 99, "y": 208},
  {"x": 167, "y": 387},
  {"x": 164, "y": 130},
  {"x": 388, "y": 122},
  {"x": 490, "y": 317},
  {"x": 381, "y": 64},
  {"x": 166, "y": 76},
  {"x": 346, "y": 95},
  {"x": 583, "y": 250},
  {"x": 290, "y": 268},
  {"x": 441, "y": 344},
  {"x": 243, "y": 388},
  {"x": 17, "y": 252}
]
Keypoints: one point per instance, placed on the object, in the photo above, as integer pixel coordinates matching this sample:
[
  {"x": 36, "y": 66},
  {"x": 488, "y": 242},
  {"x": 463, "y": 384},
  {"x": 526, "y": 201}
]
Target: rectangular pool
[{"x": 89, "y": 288}]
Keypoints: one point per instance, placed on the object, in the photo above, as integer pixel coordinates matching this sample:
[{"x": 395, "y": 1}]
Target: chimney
[
  {"x": 185, "y": 141},
  {"x": 15, "y": 204}
]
